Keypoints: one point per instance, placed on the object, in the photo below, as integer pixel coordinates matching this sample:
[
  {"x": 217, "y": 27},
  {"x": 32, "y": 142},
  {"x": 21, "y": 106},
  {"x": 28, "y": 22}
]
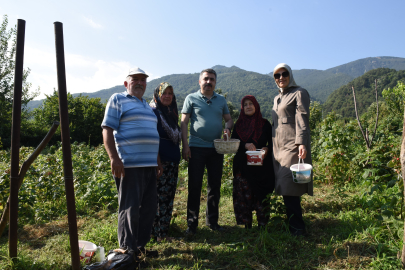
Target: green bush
[
  {"x": 42, "y": 195},
  {"x": 85, "y": 117}
]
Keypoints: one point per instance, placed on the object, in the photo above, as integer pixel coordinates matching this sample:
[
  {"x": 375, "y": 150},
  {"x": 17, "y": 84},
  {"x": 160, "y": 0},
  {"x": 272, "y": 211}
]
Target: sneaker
[
  {"x": 190, "y": 231},
  {"x": 216, "y": 227}
]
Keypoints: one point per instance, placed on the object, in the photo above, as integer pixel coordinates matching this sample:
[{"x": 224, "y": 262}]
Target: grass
[{"x": 342, "y": 235}]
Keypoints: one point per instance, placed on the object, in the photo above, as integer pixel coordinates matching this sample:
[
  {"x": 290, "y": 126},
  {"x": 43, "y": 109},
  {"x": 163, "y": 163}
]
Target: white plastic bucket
[
  {"x": 255, "y": 158},
  {"x": 301, "y": 172},
  {"x": 87, "y": 250}
]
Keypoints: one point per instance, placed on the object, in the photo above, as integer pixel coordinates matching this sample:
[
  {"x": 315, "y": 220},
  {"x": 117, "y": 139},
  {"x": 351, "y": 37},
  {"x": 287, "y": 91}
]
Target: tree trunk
[{"x": 403, "y": 179}]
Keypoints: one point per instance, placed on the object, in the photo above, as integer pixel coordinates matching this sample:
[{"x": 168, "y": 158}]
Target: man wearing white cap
[{"x": 132, "y": 143}]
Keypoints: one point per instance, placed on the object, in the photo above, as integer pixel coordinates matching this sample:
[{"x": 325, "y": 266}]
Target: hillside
[
  {"x": 341, "y": 100},
  {"x": 233, "y": 81},
  {"x": 361, "y": 66},
  {"x": 321, "y": 83},
  {"x": 236, "y": 82}
]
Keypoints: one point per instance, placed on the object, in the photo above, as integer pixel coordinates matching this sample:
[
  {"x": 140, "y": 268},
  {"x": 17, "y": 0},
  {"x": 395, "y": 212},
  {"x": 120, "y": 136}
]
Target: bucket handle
[{"x": 299, "y": 159}]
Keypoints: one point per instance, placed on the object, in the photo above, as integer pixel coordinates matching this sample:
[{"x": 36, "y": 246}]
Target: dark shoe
[
  {"x": 190, "y": 231},
  {"x": 298, "y": 232},
  {"x": 143, "y": 265},
  {"x": 148, "y": 253},
  {"x": 216, "y": 227},
  {"x": 248, "y": 226}
]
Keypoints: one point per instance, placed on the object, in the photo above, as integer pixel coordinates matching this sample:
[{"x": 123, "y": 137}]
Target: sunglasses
[{"x": 284, "y": 74}]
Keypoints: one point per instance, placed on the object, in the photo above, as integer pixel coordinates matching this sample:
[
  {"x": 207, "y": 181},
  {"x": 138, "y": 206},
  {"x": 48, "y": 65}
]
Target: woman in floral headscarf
[
  {"x": 251, "y": 184},
  {"x": 165, "y": 107}
]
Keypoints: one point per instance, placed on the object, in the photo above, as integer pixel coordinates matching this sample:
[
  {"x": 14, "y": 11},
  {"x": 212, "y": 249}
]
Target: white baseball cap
[{"x": 135, "y": 71}]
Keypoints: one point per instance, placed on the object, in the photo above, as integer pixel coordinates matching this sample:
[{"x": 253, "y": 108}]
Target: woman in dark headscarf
[
  {"x": 165, "y": 107},
  {"x": 291, "y": 141},
  {"x": 251, "y": 184}
]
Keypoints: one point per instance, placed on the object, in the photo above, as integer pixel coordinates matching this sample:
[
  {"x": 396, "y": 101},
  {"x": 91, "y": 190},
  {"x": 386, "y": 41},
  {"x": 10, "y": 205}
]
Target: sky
[{"x": 104, "y": 39}]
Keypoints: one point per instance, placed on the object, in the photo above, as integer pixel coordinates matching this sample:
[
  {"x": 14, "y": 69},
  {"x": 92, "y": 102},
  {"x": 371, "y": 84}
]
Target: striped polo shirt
[{"x": 135, "y": 130}]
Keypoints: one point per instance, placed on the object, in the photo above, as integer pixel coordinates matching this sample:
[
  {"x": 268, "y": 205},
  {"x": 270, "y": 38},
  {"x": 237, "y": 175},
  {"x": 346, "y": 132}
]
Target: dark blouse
[
  {"x": 260, "y": 178},
  {"x": 168, "y": 150}
]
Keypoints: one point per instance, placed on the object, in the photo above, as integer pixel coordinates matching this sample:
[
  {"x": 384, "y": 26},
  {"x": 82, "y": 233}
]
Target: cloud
[
  {"x": 92, "y": 23},
  {"x": 83, "y": 74}
]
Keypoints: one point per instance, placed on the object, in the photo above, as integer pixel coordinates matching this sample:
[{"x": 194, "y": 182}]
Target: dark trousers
[
  {"x": 200, "y": 158},
  {"x": 294, "y": 212},
  {"x": 137, "y": 206}
]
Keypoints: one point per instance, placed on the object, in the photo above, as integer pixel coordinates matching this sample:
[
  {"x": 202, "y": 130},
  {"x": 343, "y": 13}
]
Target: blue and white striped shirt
[{"x": 135, "y": 130}]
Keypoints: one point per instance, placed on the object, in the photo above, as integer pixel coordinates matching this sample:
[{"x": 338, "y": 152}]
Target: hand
[
  {"x": 227, "y": 134},
  {"x": 117, "y": 168},
  {"x": 302, "y": 151},
  {"x": 186, "y": 152},
  {"x": 266, "y": 150},
  {"x": 159, "y": 170},
  {"x": 250, "y": 147}
]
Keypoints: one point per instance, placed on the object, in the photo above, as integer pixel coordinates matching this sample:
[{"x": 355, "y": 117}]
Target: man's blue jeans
[
  {"x": 137, "y": 198},
  {"x": 200, "y": 158}
]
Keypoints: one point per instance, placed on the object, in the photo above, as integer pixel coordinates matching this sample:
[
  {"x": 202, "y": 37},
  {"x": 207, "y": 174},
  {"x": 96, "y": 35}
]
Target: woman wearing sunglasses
[
  {"x": 291, "y": 141},
  {"x": 251, "y": 184}
]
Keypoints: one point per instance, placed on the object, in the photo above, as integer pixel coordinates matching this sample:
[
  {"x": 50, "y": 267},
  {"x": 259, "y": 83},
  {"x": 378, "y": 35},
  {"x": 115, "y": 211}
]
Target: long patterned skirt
[
  {"x": 244, "y": 203},
  {"x": 166, "y": 189}
]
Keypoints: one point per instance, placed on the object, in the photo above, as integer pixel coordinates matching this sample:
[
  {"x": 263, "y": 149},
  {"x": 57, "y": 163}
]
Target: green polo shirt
[{"x": 205, "y": 118}]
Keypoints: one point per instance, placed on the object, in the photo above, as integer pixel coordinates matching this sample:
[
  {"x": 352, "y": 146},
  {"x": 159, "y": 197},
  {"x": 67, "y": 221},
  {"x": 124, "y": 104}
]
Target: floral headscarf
[{"x": 168, "y": 114}]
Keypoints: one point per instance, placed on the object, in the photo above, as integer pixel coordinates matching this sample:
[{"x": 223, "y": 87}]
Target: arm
[
  {"x": 302, "y": 123},
  {"x": 117, "y": 167},
  {"x": 159, "y": 168},
  {"x": 243, "y": 146},
  {"x": 185, "y": 117},
  {"x": 235, "y": 135},
  {"x": 268, "y": 131},
  {"x": 228, "y": 124},
  {"x": 302, "y": 151}
]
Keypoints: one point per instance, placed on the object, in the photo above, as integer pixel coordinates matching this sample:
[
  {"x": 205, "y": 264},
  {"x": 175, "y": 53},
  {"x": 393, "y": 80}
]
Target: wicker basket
[{"x": 229, "y": 146}]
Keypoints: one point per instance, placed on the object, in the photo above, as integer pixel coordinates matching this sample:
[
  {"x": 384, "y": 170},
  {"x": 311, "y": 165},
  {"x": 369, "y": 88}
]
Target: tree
[
  {"x": 315, "y": 113},
  {"x": 7, "y": 67},
  {"x": 403, "y": 179},
  {"x": 232, "y": 110},
  {"x": 395, "y": 97},
  {"x": 85, "y": 117}
]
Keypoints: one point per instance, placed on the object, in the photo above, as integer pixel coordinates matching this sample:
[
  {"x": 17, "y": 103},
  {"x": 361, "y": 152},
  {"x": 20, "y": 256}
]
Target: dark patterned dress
[
  {"x": 169, "y": 152},
  {"x": 252, "y": 184},
  {"x": 166, "y": 188},
  {"x": 244, "y": 203}
]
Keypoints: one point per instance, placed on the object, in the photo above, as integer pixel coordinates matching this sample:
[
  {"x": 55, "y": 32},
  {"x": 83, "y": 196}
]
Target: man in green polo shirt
[{"x": 205, "y": 109}]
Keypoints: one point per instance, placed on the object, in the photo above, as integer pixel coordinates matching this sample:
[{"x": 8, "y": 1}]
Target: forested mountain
[
  {"x": 341, "y": 100},
  {"x": 361, "y": 66},
  {"x": 233, "y": 81},
  {"x": 321, "y": 83},
  {"x": 236, "y": 82}
]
